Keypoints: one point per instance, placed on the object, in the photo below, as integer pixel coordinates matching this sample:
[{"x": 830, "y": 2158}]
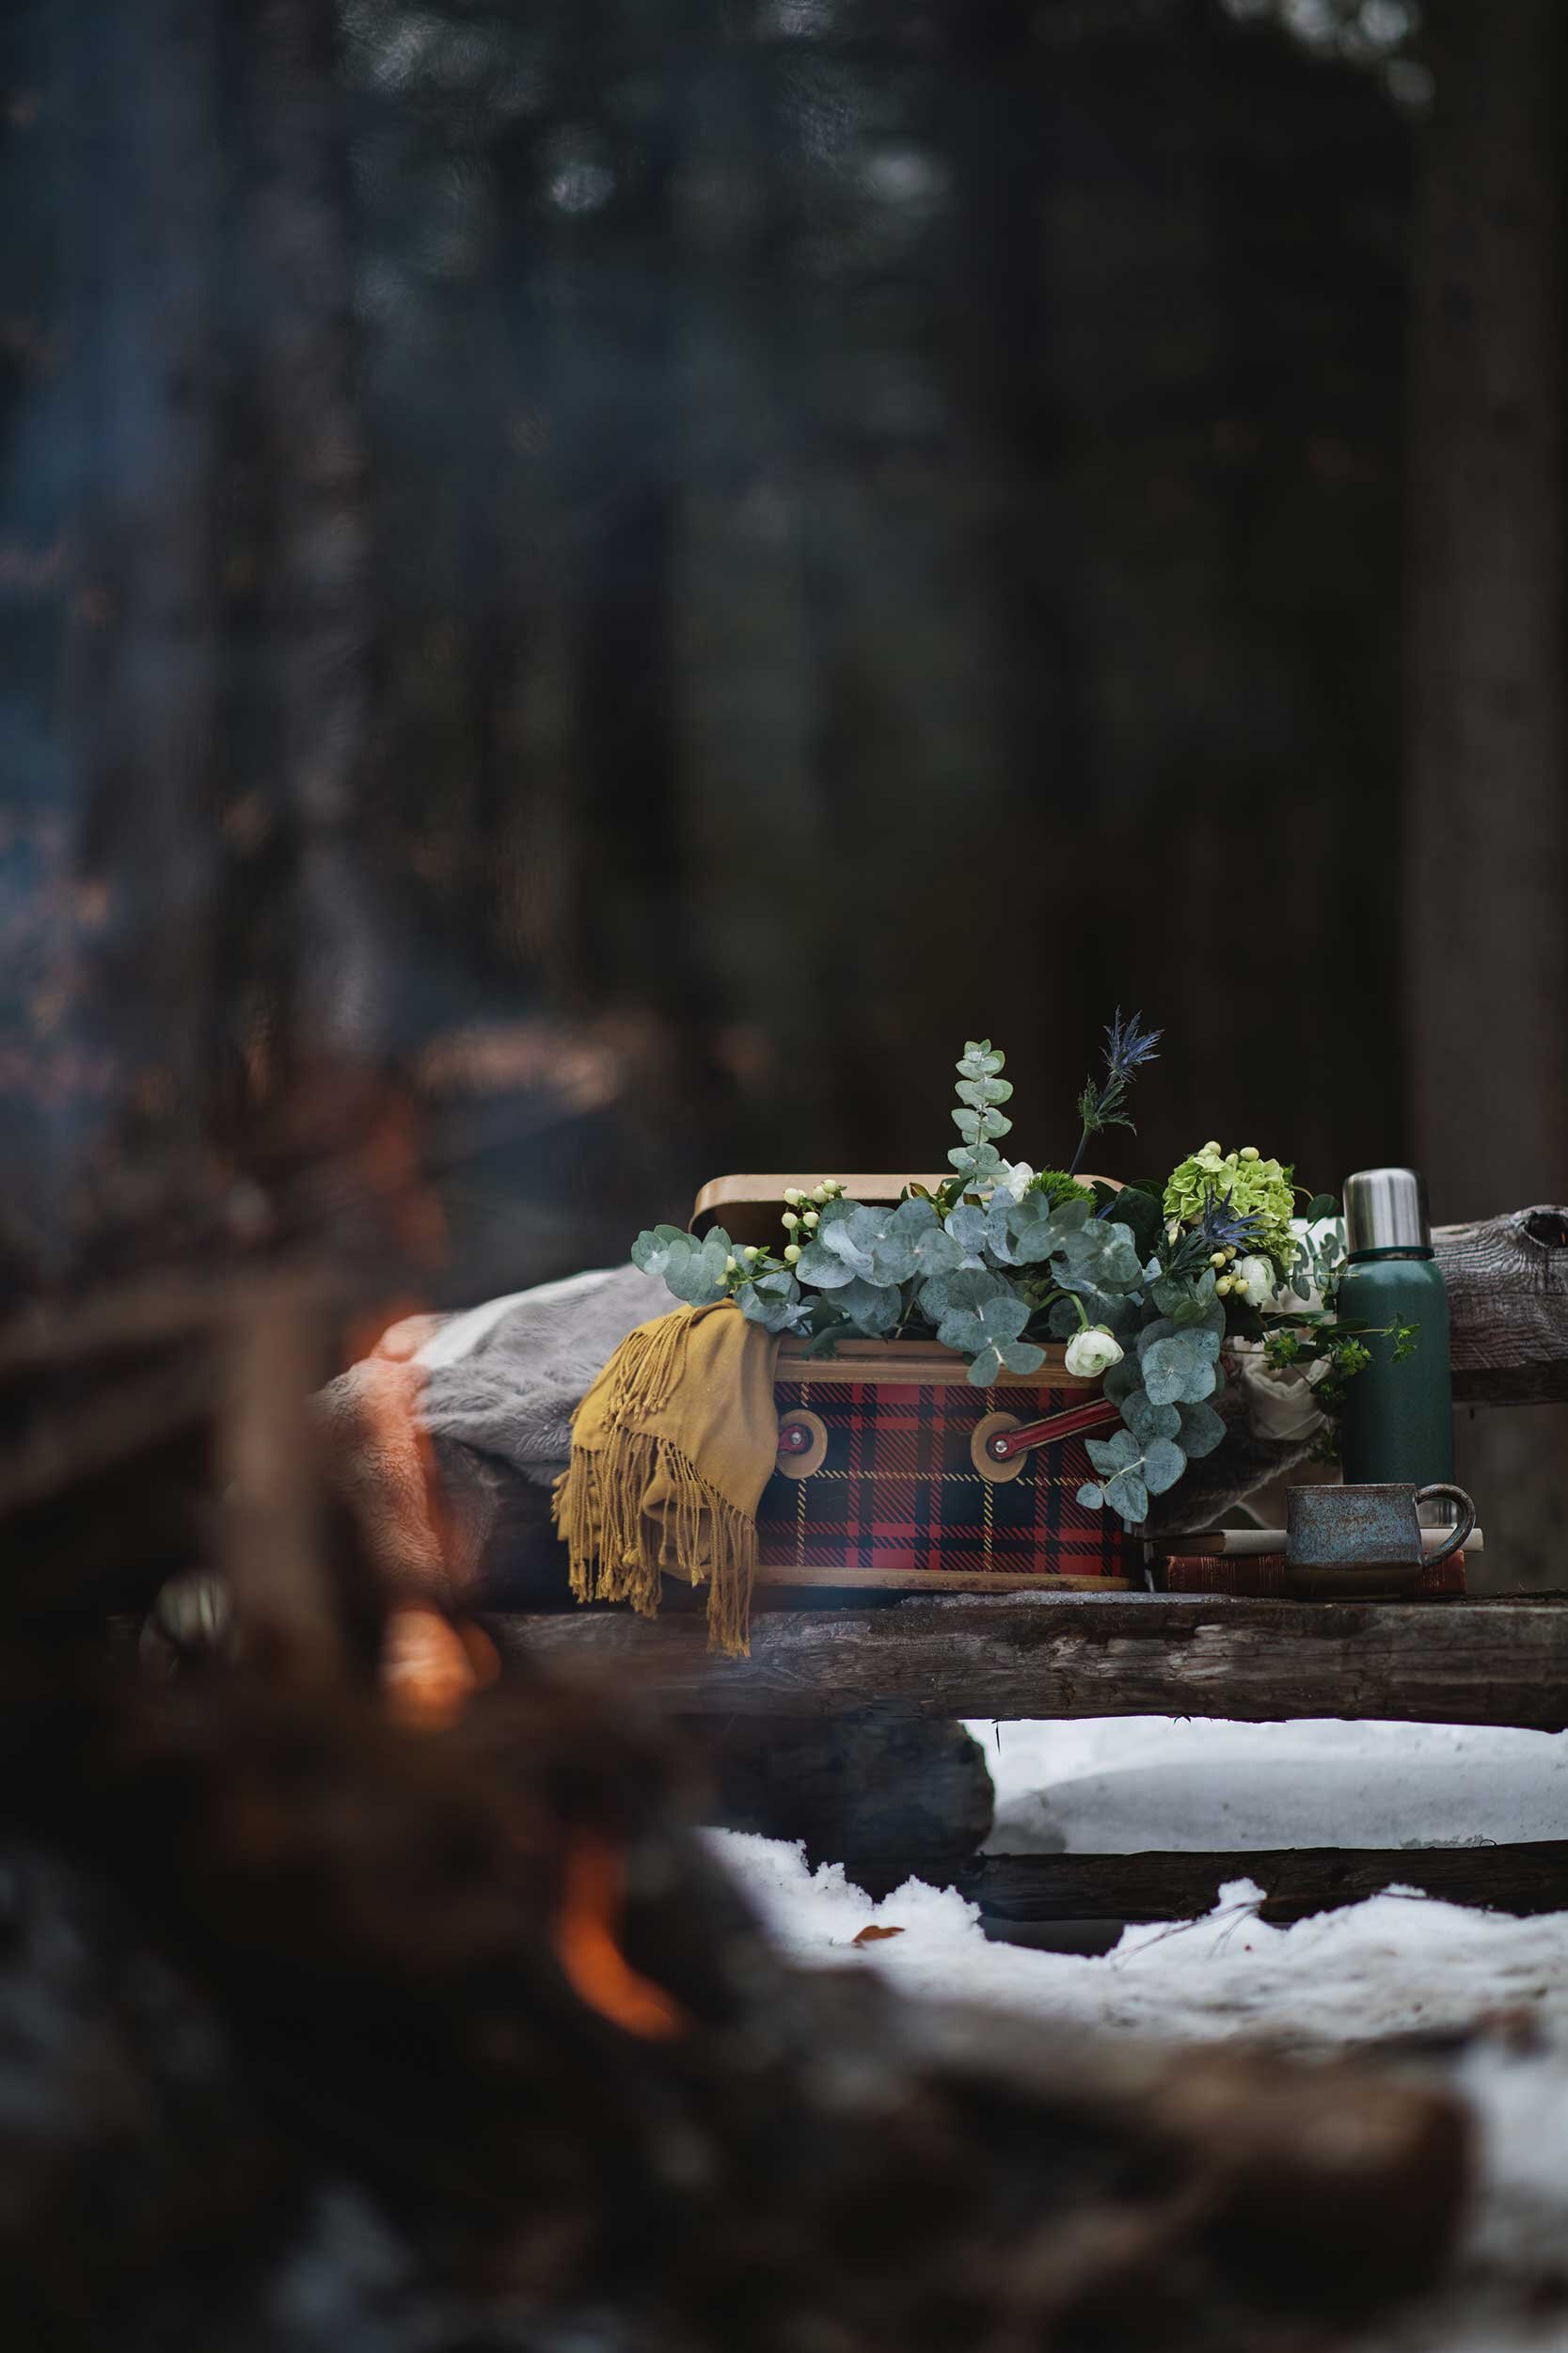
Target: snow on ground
[{"x": 1397, "y": 1964}]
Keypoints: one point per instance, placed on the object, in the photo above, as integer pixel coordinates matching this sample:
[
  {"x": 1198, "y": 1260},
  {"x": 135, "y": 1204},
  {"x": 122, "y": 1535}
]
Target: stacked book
[{"x": 1251, "y": 1561}]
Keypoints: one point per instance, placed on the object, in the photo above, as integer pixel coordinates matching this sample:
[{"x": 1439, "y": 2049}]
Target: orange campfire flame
[
  {"x": 430, "y": 1668},
  {"x": 585, "y": 1938}
]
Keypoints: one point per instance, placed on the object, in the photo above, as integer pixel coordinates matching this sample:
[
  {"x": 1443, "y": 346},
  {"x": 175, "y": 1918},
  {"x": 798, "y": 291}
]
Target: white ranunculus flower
[
  {"x": 1012, "y": 1177},
  {"x": 1257, "y": 1278},
  {"x": 1093, "y": 1352}
]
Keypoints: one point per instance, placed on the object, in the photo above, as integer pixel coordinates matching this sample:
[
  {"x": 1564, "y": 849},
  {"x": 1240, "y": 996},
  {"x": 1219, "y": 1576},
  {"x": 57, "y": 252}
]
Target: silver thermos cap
[{"x": 1386, "y": 1209}]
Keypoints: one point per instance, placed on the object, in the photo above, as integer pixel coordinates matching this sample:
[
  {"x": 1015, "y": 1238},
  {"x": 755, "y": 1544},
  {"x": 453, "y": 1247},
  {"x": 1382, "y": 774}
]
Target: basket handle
[{"x": 1099, "y": 1414}]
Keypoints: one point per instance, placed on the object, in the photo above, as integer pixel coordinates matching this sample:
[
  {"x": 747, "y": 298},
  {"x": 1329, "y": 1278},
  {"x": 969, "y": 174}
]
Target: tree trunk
[
  {"x": 143, "y": 666},
  {"x": 310, "y": 964},
  {"x": 1486, "y": 816}
]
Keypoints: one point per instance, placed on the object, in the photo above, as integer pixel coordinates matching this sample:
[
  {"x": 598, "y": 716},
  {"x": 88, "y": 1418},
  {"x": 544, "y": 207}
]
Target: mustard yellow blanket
[{"x": 670, "y": 1450}]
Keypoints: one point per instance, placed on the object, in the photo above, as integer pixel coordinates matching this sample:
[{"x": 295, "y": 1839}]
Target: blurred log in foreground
[
  {"x": 406, "y": 1994},
  {"x": 343, "y": 2036}
]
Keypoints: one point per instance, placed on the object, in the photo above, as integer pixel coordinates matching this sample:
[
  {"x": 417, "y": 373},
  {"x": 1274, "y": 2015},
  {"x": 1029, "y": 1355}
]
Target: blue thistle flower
[
  {"x": 1223, "y": 1228},
  {"x": 1128, "y": 1047},
  {"x": 1220, "y": 1228}
]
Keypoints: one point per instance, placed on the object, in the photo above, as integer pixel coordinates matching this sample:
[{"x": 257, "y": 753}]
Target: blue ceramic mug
[{"x": 1356, "y": 1542}]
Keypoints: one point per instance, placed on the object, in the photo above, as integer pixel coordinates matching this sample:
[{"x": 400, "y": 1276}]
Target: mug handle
[{"x": 1468, "y": 1517}]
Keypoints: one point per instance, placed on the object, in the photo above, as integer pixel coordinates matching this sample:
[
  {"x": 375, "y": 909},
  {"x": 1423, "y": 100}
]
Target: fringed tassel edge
[{"x": 617, "y": 1555}]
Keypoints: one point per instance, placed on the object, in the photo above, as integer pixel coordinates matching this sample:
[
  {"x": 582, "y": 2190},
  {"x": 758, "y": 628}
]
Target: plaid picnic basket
[{"x": 894, "y": 1470}]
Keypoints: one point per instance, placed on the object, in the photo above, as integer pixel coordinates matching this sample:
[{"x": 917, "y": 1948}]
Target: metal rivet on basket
[
  {"x": 982, "y": 1439},
  {"x": 803, "y": 1442}
]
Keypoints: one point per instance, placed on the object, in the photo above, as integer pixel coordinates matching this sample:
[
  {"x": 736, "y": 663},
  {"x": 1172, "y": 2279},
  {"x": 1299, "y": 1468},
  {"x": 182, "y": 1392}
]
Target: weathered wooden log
[
  {"x": 1508, "y": 1306},
  {"x": 1024, "y": 1889},
  {"x": 1458, "y": 1662},
  {"x": 878, "y": 1788}
]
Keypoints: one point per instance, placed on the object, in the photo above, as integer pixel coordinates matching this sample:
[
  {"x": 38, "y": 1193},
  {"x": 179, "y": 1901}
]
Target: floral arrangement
[{"x": 1146, "y": 1283}]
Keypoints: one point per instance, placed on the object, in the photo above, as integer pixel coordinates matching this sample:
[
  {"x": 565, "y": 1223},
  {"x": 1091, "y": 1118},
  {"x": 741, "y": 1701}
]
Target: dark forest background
[{"x": 589, "y": 588}]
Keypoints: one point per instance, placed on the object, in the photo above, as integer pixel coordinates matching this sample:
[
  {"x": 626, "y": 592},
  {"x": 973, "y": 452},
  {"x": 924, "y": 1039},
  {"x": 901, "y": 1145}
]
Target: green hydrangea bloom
[{"x": 1253, "y": 1188}]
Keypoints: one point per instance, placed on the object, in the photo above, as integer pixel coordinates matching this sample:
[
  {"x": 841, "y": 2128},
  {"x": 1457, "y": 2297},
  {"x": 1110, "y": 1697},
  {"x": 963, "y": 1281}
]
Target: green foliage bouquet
[{"x": 1148, "y": 1284}]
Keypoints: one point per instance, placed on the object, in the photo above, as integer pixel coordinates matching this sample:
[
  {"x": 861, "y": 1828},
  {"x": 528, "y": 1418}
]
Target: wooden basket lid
[
  {"x": 763, "y": 1195},
  {"x": 910, "y": 1362},
  {"x": 766, "y": 1194}
]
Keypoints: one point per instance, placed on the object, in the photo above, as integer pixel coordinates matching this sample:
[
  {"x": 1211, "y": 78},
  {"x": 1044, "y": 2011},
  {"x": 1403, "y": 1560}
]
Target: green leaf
[
  {"x": 1321, "y": 1205},
  {"x": 893, "y": 1262},
  {"x": 935, "y": 1252},
  {"x": 1022, "y": 1357},
  {"x": 974, "y": 1287},
  {"x": 1202, "y": 1429},
  {"x": 969, "y": 1229},
  {"x": 1130, "y": 1497},
  {"x": 774, "y": 1302},
  {"x": 1141, "y": 1213},
  {"x": 1092, "y": 1496},
  {"x": 981, "y": 1091},
  {"x": 872, "y": 1313},
  {"x": 976, "y": 1163},
  {"x": 698, "y": 1276},
  {"x": 653, "y": 1248},
  {"x": 1112, "y": 1455},
  {"x": 1147, "y": 1420},
  {"x": 1178, "y": 1370},
  {"x": 1199, "y": 1300},
  {"x": 915, "y": 1215},
  {"x": 1028, "y": 1229},
  {"x": 973, "y": 1124},
  {"x": 1100, "y": 1253},
  {"x": 933, "y": 1298},
  {"x": 1164, "y": 1463},
  {"x": 819, "y": 1265},
  {"x": 987, "y": 1322},
  {"x": 852, "y": 1239}
]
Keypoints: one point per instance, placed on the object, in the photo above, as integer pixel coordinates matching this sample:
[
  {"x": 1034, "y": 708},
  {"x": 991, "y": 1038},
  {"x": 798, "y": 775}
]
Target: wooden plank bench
[{"x": 1467, "y": 1661}]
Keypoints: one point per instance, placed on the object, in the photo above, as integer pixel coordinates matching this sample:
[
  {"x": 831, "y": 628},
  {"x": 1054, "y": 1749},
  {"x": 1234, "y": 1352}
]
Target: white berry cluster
[{"x": 804, "y": 1213}]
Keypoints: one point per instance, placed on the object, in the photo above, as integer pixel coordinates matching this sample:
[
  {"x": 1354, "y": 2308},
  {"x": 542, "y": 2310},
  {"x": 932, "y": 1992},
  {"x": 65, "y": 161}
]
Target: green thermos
[{"x": 1397, "y": 1422}]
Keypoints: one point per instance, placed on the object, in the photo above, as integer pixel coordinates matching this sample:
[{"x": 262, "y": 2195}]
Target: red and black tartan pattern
[{"x": 898, "y": 1490}]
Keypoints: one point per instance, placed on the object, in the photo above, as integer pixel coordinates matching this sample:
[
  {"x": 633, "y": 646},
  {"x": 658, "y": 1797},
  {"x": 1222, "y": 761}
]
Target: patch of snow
[{"x": 1117, "y": 1785}]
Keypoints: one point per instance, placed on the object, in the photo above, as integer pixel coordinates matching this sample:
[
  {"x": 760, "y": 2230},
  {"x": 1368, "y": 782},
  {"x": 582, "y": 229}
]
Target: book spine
[
  {"x": 1258, "y": 1575},
  {"x": 1263, "y": 1543}
]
